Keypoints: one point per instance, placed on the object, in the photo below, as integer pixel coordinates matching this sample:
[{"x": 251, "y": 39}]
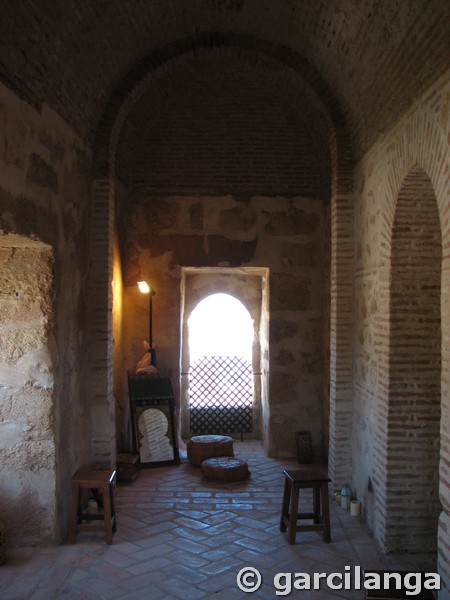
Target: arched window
[{"x": 220, "y": 370}]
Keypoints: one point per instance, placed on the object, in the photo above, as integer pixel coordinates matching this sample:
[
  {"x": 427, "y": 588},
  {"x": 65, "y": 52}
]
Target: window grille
[{"x": 220, "y": 395}]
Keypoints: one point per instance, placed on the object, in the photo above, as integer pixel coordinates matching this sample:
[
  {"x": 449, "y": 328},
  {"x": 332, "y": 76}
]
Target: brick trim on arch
[
  {"x": 417, "y": 143},
  {"x": 414, "y": 395},
  {"x": 131, "y": 86},
  {"x": 99, "y": 325},
  {"x": 108, "y": 132},
  {"x": 341, "y": 310}
]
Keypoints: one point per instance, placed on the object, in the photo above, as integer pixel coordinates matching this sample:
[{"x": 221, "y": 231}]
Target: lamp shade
[{"x": 144, "y": 288}]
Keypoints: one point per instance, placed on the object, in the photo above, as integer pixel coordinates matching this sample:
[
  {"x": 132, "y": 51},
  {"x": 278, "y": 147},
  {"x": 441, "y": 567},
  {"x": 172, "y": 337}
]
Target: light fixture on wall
[{"x": 144, "y": 288}]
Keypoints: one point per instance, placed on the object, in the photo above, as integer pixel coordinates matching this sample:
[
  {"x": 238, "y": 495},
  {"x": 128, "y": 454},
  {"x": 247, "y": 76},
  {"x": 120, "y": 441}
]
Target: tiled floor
[{"x": 180, "y": 536}]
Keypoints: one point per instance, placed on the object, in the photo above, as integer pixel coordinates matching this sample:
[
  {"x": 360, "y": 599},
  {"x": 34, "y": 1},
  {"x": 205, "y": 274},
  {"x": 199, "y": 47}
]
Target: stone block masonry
[
  {"x": 27, "y": 445},
  {"x": 160, "y": 239}
]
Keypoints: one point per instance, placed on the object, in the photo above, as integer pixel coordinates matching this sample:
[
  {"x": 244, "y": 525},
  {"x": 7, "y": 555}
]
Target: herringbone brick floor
[{"x": 181, "y": 537}]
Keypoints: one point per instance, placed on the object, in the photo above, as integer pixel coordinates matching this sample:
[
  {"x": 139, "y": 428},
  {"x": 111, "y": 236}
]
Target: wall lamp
[{"x": 144, "y": 288}]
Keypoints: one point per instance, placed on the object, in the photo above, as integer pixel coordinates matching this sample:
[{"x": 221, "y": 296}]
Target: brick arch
[
  {"x": 341, "y": 285},
  {"x": 135, "y": 81},
  {"x": 249, "y": 88},
  {"x": 412, "y": 504},
  {"x": 417, "y": 160}
]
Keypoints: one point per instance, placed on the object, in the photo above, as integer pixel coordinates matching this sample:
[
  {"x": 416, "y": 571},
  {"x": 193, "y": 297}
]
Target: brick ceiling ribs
[{"x": 375, "y": 55}]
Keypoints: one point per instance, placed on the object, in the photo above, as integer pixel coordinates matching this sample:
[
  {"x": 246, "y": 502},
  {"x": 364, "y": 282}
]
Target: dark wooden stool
[
  {"x": 313, "y": 477},
  {"x": 391, "y": 592},
  {"x": 103, "y": 481}
]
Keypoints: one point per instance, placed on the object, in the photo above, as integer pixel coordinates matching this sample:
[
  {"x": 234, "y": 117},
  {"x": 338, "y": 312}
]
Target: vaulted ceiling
[{"x": 375, "y": 56}]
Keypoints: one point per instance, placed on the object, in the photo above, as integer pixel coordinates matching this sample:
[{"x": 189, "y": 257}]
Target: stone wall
[
  {"x": 44, "y": 193},
  {"x": 44, "y": 187},
  {"x": 418, "y": 144},
  {"x": 284, "y": 235},
  {"x": 221, "y": 117},
  {"x": 27, "y": 443}
]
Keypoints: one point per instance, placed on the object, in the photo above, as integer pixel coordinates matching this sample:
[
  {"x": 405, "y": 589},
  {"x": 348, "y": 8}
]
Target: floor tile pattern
[{"x": 182, "y": 537}]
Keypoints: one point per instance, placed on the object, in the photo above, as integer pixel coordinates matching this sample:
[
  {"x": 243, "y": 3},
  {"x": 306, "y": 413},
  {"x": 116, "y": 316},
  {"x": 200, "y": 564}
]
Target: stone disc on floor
[
  {"x": 201, "y": 447},
  {"x": 225, "y": 468}
]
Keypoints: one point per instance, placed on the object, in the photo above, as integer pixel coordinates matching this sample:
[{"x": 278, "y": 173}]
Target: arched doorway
[
  {"x": 220, "y": 370},
  {"x": 412, "y": 501}
]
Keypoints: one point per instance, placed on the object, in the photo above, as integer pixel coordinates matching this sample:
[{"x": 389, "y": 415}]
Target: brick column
[
  {"x": 341, "y": 314},
  {"x": 100, "y": 375},
  {"x": 444, "y": 466}
]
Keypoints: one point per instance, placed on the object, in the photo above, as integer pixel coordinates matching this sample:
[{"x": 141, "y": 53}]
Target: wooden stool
[
  {"x": 225, "y": 468},
  {"x": 313, "y": 477},
  {"x": 201, "y": 447},
  {"x": 93, "y": 479}
]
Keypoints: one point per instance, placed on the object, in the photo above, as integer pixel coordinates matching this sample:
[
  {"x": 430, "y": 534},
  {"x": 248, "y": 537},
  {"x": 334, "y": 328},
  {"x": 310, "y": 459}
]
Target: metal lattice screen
[{"x": 220, "y": 395}]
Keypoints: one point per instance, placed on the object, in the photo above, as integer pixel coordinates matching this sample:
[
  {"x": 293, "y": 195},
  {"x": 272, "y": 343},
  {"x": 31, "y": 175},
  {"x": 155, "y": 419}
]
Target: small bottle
[{"x": 346, "y": 496}]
